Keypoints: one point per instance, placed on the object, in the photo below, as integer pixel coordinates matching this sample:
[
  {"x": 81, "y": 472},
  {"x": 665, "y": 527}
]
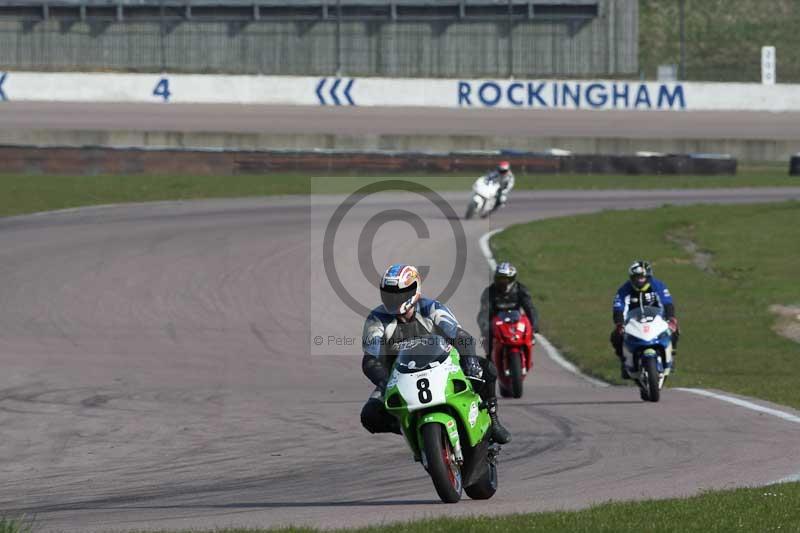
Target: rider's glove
[
  {"x": 673, "y": 324},
  {"x": 473, "y": 368},
  {"x": 620, "y": 329}
]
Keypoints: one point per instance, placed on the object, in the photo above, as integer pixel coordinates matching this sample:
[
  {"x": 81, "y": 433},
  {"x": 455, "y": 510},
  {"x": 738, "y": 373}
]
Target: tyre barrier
[
  {"x": 94, "y": 160},
  {"x": 794, "y": 165}
]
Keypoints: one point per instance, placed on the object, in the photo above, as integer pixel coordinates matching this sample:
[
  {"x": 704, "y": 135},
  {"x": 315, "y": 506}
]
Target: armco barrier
[{"x": 131, "y": 161}]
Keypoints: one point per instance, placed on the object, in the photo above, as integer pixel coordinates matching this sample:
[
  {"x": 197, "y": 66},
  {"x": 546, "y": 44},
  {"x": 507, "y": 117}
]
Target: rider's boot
[
  {"x": 623, "y": 372},
  {"x": 499, "y": 433}
]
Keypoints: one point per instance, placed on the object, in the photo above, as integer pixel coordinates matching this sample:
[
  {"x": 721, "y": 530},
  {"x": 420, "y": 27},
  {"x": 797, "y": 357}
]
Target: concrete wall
[{"x": 413, "y": 92}]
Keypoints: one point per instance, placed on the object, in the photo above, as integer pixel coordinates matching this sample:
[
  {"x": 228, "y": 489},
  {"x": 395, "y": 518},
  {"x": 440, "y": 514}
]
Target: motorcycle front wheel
[
  {"x": 515, "y": 366},
  {"x": 651, "y": 368},
  {"x": 442, "y": 466},
  {"x": 471, "y": 210}
]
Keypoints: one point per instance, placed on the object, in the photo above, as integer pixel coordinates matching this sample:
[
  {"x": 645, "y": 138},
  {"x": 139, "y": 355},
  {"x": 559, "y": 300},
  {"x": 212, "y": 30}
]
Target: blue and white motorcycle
[{"x": 647, "y": 348}]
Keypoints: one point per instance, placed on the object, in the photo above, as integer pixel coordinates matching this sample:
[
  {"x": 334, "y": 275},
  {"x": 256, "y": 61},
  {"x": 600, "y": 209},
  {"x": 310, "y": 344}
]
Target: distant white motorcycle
[{"x": 484, "y": 198}]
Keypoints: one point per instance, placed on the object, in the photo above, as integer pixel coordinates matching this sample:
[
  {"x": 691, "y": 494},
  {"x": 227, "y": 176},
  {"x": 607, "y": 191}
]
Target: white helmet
[
  {"x": 505, "y": 277},
  {"x": 401, "y": 288}
]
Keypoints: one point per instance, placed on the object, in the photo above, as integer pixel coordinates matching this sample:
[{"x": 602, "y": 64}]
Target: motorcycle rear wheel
[
  {"x": 486, "y": 487},
  {"x": 444, "y": 471}
]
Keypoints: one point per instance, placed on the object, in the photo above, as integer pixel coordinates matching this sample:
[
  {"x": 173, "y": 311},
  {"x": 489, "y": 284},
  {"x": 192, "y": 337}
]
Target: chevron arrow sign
[
  {"x": 2, "y": 81},
  {"x": 337, "y": 91}
]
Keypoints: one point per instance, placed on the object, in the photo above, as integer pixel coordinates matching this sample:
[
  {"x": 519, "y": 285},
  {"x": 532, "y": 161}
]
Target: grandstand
[{"x": 448, "y": 38}]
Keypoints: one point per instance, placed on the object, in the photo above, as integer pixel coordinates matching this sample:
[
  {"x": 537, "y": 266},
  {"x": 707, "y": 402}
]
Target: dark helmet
[
  {"x": 505, "y": 277},
  {"x": 503, "y": 167},
  {"x": 641, "y": 274}
]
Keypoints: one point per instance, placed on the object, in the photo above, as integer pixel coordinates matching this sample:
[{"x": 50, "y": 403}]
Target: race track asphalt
[
  {"x": 159, "y": 372},
  {"x": 233, "y": 118}
]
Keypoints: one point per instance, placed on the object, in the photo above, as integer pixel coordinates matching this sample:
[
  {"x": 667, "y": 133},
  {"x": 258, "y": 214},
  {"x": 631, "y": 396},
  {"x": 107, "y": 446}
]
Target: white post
[{"x": 768, "y": 65}]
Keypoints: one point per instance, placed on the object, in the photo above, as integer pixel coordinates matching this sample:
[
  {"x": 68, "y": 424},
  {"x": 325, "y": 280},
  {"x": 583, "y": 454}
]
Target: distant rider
[
  {"x": 505, "y": 178},
  {"x": 406, "y": 314},
  {"x": 642, "y": 289},
  {"x": 506, "y": 293}
]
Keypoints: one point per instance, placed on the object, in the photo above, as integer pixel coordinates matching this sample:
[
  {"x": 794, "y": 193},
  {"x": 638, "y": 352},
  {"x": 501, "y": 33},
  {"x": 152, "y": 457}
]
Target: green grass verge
[
  {"x": 575, "y": 264},
  {"x": 13, "y": 525},
  {"x": 27, "y": 194},
  {"x": 772, "y": 508},
  {"x": 723, "y": 38}
]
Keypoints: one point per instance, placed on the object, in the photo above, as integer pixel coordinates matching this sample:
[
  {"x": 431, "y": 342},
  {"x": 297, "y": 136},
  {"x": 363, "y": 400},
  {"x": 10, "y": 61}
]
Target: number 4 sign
[{"x": 162, "y": 89}]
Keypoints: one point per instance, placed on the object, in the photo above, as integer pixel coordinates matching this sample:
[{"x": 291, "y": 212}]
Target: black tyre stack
[{"x": 794, "y": 165}]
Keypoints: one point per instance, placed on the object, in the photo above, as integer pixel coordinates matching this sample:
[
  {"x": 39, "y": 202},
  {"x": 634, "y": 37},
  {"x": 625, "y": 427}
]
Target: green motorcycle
[{"x": 442, "y": 419}]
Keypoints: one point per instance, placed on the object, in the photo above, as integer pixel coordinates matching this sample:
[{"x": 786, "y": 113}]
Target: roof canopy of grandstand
[{"x": 219, "y": 10}]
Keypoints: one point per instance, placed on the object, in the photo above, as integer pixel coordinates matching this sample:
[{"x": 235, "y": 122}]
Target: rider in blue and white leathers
[
  {"x": 641, "y": 289},
  {"x": 404, "y": 315}
]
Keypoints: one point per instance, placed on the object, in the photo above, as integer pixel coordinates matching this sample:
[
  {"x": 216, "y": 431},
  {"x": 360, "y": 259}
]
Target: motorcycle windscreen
[
  {"x": 420, "y": 353},
  {"x": 644, "y": 314},
  {"x": 509, "y": 316}
]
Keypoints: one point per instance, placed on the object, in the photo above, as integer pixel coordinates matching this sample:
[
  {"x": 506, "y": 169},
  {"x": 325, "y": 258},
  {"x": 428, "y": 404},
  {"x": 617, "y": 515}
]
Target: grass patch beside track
[
  {"x": 744, "y": 260},
  {"x": 27, "y": 194},
  {"x": 771, "y": 508},
  {"x": 12, "y": 525}
]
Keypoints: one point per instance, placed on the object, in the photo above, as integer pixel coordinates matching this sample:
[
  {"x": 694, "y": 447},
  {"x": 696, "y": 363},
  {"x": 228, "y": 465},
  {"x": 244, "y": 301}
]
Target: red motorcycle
[{"x": 512, "y": 350}]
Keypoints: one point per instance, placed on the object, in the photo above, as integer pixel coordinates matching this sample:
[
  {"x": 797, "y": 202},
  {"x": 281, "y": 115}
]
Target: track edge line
[{"x": 551, "y": 350}]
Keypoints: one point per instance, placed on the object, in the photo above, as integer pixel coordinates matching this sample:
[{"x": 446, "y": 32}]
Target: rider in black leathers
[{"x": 504, "y": 294}]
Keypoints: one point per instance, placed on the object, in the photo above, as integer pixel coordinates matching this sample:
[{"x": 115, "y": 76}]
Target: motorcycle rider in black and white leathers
[
  {"x": 404, "y": 315},
  {"x": 505, "y": 179},
  {"x": 505, "y": 294}
]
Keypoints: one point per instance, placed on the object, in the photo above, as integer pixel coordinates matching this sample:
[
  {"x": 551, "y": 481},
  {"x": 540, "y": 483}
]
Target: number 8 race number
[{"x": 425, "y": 395}]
